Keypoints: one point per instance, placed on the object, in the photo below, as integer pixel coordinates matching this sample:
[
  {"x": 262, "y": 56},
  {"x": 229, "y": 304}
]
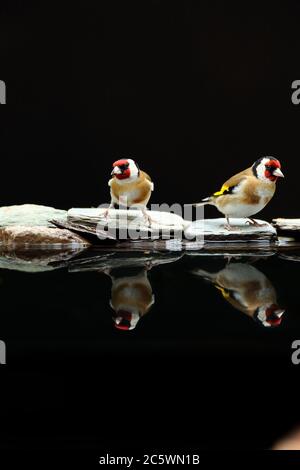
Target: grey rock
[
  {"x": 29, "y": 215},
  {"x": 28, "y": 224}
]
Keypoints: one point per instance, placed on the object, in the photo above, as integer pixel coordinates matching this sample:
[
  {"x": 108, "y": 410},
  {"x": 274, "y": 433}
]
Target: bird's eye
[
  {"x": 124, "y": 166},
  {"x": 269, "y": 167}
]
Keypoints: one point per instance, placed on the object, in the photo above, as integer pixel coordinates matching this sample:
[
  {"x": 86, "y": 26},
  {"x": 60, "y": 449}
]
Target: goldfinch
[
  {"x": 130, "y": 186},
  {"x": 247, "y": 192},
  {"x": 248, "y": 290},
  {"x": 131, "y": 298}
]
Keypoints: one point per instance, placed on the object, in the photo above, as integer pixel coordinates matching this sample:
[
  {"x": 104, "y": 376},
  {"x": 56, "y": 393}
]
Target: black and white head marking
[
  {"x": 259, "y": 168},
  {"x": 134, "y": 169}
]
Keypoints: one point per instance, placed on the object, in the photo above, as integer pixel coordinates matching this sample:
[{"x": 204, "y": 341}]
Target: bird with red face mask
[
  {"x": 131, "y": 299},
  {"x": 247, "y": 192},
  {"x": 248, "y": 290},
  {"x": 130, "y": 186}
]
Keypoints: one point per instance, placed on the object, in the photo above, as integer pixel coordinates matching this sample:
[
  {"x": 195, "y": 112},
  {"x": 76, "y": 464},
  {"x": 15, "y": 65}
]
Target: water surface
[{"x": 150, "y": 338}]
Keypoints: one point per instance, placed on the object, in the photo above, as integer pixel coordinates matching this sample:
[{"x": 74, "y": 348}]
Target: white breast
[{"x": 242, "y": 210}]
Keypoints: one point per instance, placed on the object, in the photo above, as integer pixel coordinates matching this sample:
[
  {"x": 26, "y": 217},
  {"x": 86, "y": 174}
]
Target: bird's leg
[
  {"x": 107, "y": 271},
  {"x": 228, "y": 226},
  {"x": 106, "y": 212},
  {"x": 228, "y": 259},
  {"x": 231, "y": 227},
  {"x": 147, "y": 217}
]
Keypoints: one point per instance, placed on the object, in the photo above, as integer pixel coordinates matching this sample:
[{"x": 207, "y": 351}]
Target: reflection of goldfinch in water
[
  {"x": 130, "y": 186},
  {"x": 247, "y": 289},
  {"x": 247, "y": 192},
  {"x": 131, "y": 298}
]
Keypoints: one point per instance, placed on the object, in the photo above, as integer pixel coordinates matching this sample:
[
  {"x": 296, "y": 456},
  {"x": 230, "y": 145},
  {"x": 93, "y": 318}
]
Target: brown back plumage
[{"x": 236, "y": 179}]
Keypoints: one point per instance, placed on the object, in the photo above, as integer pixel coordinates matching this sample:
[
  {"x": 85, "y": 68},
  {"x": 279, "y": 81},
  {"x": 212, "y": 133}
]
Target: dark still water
[{"x": 106, "y": 350}]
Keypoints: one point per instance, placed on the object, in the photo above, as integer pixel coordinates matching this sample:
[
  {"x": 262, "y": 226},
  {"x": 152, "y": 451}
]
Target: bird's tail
[
  {"x": 211, "y": 278},
  {"x": 203, "y": 202},
  {"x": 204, "y": 274}
]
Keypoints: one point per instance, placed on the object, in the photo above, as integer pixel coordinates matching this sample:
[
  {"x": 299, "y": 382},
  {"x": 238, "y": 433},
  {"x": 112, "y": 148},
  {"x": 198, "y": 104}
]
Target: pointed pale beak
[
  {"x": 279, "y": 312},
  {"x": 116, "y": 171},
  {"x": 278, "y": 173}
]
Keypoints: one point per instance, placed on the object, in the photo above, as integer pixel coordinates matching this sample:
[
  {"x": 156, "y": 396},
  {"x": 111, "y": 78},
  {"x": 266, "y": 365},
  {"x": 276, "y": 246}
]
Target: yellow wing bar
[
  {"x": 223, "y": 190},
  {"x": 224, "y": 293}
]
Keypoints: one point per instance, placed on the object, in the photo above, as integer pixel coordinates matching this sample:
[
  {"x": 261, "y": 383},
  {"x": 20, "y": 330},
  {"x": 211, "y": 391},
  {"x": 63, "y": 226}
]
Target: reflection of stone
[
  {"x": 131, "y": 298},
  {"x": 34, "y": 261},
  {"x": 234, "y": 251},
  {"x": 247, "y": 289},
  {"x": 93, "y": 260},
  {"x": 290, "y": 257},
  {"x": 29, "y": 224}
]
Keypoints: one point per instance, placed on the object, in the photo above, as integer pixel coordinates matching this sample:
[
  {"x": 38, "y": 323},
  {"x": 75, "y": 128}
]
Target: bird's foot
[
  {"x": 103, "y": 222},
  {"x": 106, "y": 271},
  {"x": 148, "y": 265},
  {"x": 105, "y": 214},
  {"x": 254, "y": 223},
  {"x": 147, "y": 218},
  {"x": 230, "y": 228}
]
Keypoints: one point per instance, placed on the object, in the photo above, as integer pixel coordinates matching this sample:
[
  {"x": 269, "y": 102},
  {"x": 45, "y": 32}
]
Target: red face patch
[
  {"x": 124, "y": 320},
  {"x": 123, "y": 165},
  {"x": 271, "y": 165},
  {"x": 125, "y": 174},
  {"x": 120, "y": 162},
  {"x": 271, "y": 316}
]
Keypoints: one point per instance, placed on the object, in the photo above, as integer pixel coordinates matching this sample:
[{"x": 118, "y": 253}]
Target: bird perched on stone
[
  {"x": 247, "y": 192},
  {"x": 248, "y": 290},
  {"x": 130, "y": 186}
]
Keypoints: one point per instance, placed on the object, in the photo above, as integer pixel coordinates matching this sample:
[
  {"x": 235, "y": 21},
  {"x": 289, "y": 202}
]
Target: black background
[{"x": 194, "y": 91}]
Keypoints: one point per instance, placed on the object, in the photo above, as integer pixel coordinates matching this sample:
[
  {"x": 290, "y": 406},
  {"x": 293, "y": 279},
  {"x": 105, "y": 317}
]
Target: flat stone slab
[
  {"x": 287, "y": 225},
  {"x": 172, "y": 228},
  {"x": 162, "y": 223},
  {"x": 215, "y": 230},
  {"x": 208, "y": 229},
  {"x": 30, "y": 225},
  {"x": 120, "y": 225}
]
